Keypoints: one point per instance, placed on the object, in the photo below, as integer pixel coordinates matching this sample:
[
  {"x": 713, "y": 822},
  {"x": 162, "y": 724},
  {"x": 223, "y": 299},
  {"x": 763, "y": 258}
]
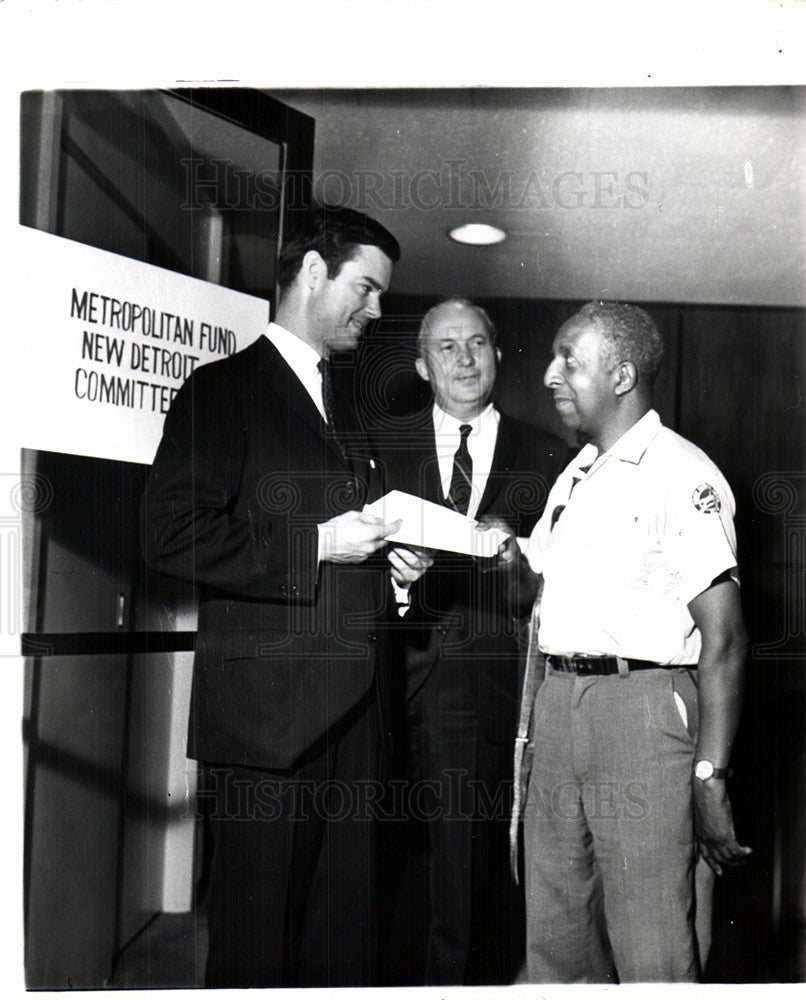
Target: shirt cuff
[{"x": 402, "y": 596}]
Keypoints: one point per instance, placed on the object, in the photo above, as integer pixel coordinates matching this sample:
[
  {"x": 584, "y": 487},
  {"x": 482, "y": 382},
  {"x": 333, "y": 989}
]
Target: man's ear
[
  {"x": 626, "y": 377},
  {"x": 422, "y": 369},
  {"x": 313, "y": 269}
]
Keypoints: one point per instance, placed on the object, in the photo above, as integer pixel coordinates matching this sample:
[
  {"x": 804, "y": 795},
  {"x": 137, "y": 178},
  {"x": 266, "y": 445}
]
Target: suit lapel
[
  {"x": 503, "y": 458},
  {"x": 431, "y": 480},
  {"x": 285, "y": 384},
  {"x": 418, "y": 463}
]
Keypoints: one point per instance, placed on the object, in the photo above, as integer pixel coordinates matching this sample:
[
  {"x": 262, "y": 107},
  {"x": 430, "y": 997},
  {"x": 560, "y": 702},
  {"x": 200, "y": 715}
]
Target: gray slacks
[{"x": 608, "y": 830}]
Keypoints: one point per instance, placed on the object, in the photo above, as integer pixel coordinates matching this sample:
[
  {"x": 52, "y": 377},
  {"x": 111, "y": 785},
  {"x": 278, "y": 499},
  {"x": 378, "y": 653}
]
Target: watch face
[{"x": 704, "y": 769}]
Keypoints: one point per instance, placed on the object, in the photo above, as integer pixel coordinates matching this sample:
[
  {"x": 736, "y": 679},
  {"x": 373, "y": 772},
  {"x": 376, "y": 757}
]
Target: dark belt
[{"x": 599, "y": 666}]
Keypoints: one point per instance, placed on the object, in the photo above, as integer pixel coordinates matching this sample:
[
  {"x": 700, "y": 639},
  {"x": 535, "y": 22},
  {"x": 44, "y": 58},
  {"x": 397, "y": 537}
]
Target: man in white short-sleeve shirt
[{"x": 641, "y": 625}]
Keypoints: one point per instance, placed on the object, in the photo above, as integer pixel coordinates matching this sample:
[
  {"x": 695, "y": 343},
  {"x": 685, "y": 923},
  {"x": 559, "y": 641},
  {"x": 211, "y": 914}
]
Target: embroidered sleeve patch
[{"x": 706, "y": 499}]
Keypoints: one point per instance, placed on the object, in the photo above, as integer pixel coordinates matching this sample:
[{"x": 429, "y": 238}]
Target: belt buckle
[
  {"x": 561, "y": 664},
  {"x": 597, "y": 666}
]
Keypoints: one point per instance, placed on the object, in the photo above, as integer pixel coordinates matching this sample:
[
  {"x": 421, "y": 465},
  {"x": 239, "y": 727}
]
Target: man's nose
[
  {"x": 552, "y": 376},
  {"x": 466, "y": 355},
  {"x": 373, "y": 306}
]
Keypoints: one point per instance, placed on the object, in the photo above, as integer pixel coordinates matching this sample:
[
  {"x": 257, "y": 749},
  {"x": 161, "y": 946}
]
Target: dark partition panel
[{"x": 741, "y": 388}]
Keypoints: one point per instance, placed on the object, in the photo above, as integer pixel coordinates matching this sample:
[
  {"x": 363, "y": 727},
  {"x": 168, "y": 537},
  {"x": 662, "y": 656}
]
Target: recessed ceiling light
[{"x": 477, "y": 234}]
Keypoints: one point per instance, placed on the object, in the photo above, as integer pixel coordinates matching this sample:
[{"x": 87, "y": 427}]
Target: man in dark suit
[
  {"x": 255, "y": 496},
  {"x": 462, "y": 646}
]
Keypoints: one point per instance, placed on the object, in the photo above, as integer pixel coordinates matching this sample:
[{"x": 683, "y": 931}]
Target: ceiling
[{"x": 656, "y": 194}]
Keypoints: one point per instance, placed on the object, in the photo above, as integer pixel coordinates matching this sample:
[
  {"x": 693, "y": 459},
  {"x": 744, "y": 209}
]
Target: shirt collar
[
  {"x": 295, "y": 351},
  {"x": 631, "y": 446},
  {"x": 446, "y": 424}
]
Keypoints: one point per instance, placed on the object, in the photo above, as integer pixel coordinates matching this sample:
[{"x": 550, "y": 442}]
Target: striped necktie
[{"x": 462, "y": 475}]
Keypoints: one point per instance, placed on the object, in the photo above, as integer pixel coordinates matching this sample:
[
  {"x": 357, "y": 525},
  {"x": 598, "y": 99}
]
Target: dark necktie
[
  {"x": 329, "y": 403},
  {"x": 557, "y": 512},
  {"x": 462, "y": 475}
]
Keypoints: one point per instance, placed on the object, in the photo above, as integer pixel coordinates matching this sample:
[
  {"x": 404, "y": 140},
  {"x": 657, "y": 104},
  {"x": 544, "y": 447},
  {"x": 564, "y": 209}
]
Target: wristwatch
[{"x": 704, "y": 770}]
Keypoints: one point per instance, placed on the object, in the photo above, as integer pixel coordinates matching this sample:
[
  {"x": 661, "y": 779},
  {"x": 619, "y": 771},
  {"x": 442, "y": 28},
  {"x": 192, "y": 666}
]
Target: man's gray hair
[
  {"x": 631, "y": 334},
  {"x": 489, "y": 326}
]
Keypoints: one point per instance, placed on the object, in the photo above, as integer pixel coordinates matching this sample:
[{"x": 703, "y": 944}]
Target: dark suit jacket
[
  {"x": 461, "y": 607},
  {"x": 243, "y": 475}
]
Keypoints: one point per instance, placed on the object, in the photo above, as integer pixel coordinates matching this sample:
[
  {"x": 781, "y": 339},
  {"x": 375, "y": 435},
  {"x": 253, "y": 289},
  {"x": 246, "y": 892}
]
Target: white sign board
[{"x": 109, "y": 341}]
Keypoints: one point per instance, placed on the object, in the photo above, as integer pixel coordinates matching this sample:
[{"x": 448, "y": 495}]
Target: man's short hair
[
  {"x": 334, "y": 233},
  {"x": 489, "y": 326},
  {"x": 631, "y": 334}
]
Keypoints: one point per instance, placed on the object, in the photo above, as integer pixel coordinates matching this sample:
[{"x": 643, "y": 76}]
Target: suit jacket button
[{"x": 283, "y": 589}]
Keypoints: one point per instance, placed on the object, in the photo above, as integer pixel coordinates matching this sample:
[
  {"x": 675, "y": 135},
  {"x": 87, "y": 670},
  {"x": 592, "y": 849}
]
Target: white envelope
[{"x": 432, "y": 526}]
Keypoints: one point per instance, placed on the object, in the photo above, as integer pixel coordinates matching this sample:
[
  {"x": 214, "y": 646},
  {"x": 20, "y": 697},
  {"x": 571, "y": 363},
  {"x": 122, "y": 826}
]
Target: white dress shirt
[
  {"x": 302, "y": 359},
  {"x": 481, "y": 446}
]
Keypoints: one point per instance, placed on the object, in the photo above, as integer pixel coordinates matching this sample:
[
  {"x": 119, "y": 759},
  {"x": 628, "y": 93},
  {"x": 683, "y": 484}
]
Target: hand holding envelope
[
  {"x": 432, "y": 526},
  {"x": 408, "y": 564}
]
